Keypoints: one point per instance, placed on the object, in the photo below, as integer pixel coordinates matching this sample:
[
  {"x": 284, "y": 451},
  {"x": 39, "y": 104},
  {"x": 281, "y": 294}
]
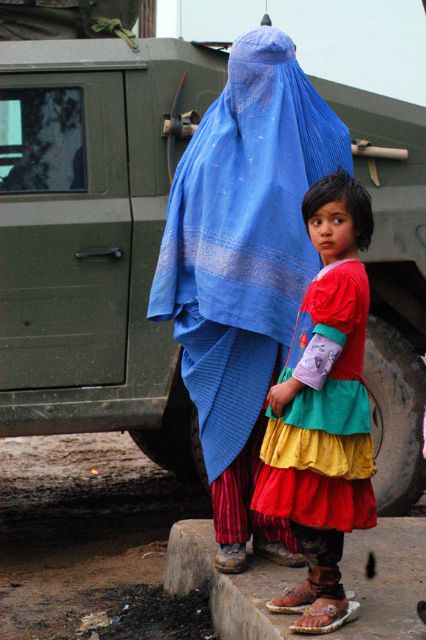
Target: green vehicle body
[{"x": 76, "y": 352}]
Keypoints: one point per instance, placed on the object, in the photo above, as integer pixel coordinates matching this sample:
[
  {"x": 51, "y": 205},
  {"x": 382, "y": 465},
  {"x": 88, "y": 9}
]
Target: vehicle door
[{"x": 65, "y": 230}]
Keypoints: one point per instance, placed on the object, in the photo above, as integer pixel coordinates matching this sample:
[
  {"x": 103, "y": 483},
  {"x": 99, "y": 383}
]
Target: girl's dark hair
[{"x": 342, "y": 187}]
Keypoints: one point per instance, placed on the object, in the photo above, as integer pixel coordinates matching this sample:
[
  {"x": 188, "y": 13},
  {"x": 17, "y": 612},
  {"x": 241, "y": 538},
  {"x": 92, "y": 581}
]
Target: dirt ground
[{"x": 84, "y": 522}]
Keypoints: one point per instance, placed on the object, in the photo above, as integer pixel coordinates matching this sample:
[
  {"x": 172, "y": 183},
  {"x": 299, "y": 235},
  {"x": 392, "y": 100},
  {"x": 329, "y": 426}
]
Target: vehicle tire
[
  {"x": 170, "y": 445},
  {"x": 395, "y": 376},
  {"x": 187, "y": 459}
]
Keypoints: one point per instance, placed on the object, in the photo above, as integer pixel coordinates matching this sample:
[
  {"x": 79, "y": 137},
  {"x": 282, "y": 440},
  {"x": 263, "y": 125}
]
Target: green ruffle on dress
[{"x": 341, "y": 407}]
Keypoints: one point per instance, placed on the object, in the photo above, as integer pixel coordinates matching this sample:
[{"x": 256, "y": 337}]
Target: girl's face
[{"x": 332, "y": 232}]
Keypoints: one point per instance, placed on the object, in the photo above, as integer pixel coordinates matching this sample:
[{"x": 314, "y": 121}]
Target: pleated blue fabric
[
  {"x": 235, "y": 257},
  {"x": 227, "y": 372}
]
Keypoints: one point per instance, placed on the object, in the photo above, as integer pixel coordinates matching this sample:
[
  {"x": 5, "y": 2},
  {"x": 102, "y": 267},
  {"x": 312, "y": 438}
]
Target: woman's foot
[
  {"x": 293, "y": 599},
  {"x": 278, "y": 552},
  {"x": 322, "y": 613},
  {"x": 231, "y": 558}
]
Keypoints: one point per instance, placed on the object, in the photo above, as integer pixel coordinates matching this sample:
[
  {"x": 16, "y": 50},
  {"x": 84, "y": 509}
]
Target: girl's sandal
[
  {"x": 303, "y": 595},
  {"x": 337, "y": 618}
]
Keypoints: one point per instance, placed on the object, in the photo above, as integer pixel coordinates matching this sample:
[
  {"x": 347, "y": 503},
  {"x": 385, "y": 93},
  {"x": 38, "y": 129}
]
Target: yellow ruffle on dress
[{"x": 350, "y": 457}]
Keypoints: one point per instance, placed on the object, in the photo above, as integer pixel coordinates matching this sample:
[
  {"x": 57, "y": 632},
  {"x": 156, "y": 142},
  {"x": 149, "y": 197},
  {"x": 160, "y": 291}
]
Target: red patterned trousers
[{"x": 231, "y": 497}]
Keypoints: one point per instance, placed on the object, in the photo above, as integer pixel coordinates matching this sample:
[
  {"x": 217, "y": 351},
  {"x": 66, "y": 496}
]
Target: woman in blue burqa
[{"x": 234, "y": 261}]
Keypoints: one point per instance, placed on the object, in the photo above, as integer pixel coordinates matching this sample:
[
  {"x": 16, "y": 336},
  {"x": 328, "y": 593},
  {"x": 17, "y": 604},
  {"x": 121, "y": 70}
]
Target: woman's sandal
[
  {"x": 304, "y": 598},
  {"x": 338, "y": 618}
]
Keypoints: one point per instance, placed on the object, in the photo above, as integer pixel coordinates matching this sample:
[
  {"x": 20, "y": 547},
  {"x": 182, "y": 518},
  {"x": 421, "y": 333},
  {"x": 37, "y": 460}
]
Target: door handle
[{"x": 115, "y": 253}]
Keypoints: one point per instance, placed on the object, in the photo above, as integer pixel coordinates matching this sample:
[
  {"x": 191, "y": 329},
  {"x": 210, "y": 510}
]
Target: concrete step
[{"x": 237, "y": 602}]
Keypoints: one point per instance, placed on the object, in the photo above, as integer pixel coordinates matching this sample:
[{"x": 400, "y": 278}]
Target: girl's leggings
[{"x": 323, "y": 550}]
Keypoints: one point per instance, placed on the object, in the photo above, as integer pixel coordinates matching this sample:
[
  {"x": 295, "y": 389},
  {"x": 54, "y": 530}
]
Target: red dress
[{"x": 318, "y": 455}]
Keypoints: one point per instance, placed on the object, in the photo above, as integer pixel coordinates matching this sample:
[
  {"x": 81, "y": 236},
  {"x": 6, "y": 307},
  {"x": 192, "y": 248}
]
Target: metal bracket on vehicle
[
  {"x": 365, "y": 148},
  {"x": 184, "y": 126},
  {"x": 177, "y": 126}
]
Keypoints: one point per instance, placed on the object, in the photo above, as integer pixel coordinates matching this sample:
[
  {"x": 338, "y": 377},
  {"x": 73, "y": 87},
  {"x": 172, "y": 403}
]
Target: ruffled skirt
[
  {"x": 317, "y": 479},
  {"x": 349, "y": 457}
]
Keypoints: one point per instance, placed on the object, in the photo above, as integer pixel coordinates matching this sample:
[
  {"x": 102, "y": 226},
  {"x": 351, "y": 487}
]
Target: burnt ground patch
[{"x": 142, "y": 612}]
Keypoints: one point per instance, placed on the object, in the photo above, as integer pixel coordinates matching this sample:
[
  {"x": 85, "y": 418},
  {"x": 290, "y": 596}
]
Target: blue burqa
[{"x": 235, "y": 258}]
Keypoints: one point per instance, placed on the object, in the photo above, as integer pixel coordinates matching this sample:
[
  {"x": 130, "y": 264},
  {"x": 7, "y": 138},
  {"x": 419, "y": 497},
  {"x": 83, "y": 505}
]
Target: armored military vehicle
[{"x": 84, "y": 175}]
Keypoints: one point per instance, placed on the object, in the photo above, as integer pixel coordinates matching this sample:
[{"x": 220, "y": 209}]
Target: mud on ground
[{"x": 84, "y": 522}]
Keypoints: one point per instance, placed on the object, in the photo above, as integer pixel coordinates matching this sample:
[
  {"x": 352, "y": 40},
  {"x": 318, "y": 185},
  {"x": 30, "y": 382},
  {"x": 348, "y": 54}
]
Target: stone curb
[
  {"x": 237, "y": 602},
  {"x": 189, "y": 565}
]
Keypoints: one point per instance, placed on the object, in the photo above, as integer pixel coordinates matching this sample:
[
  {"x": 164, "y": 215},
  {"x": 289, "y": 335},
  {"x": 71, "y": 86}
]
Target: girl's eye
[
  {"x": 315, "y": 222},
  {"x": 338, "y": 220}
]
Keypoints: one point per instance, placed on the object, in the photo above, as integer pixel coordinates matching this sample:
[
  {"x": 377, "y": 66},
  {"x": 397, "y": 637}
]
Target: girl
[{"x": 318, "y": 454}]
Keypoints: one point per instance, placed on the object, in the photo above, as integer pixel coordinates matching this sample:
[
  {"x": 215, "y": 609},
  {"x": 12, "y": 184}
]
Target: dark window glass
[{"x": 42, "y": 140}]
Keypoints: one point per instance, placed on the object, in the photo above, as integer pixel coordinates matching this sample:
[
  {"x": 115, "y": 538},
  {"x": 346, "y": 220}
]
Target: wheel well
[
  {"x": 398, "y": 296},
  {"x": 170, "y": 446},
  {"x": 178, "y": 397}
]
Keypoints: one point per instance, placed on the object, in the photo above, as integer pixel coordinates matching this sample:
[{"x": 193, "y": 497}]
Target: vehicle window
[{"x": 42, "y": 145}]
